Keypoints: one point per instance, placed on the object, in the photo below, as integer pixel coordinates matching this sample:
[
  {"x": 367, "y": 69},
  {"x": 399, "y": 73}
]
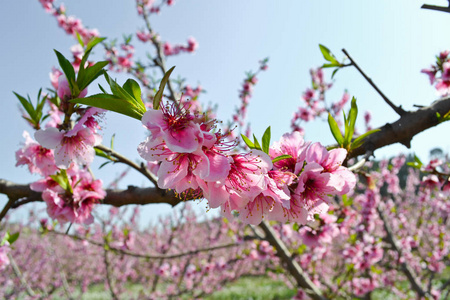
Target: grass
[{"x": 253, "y": 288}]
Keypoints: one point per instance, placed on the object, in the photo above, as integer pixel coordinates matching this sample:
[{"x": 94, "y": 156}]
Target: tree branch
[
  {"x": 293, "y": 267},
  {"x": 161, "y": 59},
  {"x": 147, "y": 256},
  {"x": 132, "y": 195},
  {"x": 406, "y": 269},
  {"x": 438, "y": 8},
  {"x": 120, "y": 158},
  {"x": 398, "y": 109},
  {"x": 404, "y": 129}
]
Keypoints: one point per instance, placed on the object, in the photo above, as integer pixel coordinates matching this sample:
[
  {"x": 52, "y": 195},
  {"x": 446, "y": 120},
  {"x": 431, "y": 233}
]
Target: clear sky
[{"x": 391, "y": 40}]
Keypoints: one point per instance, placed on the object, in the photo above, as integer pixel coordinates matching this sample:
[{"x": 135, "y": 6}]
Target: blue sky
[{"x": 391, "y": 40}]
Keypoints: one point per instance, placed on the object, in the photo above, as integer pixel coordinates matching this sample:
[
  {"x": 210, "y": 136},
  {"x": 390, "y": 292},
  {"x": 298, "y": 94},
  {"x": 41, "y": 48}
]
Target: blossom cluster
[
  {"x": 313, "y": 101},
  {"x": 439, "y": 73},
  {"x": 59, "y": 149},
  {"x": 73, "y": 204},
  {"x": 69, "y": 24},
  {"x": 196, "y": 159},
  {"x": 169, "y": 49}
]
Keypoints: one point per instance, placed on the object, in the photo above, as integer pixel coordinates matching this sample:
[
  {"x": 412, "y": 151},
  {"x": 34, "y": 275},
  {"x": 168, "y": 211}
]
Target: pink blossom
[
  {"x": 39, "y": 159},
  {"x": 192, "y": 44},
  {"x": 290, "y": 144},
  {"x": 4, "y": 259},
  {"x": 431, "y": 73},
  {"x": 245, "y": 180},
  {"x": 175, "y": 126},
  {"x": 443, "y": 87},
  {"x": 64, "y": 92},
  {"x": 75, "y": 145},
  {"x": 54, "y": 76}
]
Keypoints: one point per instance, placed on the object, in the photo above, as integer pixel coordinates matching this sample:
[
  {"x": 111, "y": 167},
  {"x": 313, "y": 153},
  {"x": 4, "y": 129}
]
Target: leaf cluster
[{"x": 346, "y": 141}]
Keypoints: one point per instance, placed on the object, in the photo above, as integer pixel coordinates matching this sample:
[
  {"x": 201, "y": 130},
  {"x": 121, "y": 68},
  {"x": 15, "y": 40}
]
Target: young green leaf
[
  {"x": 93, "y": 42},
  {"x": 13, "y": 237},
  {"x": 257, "y": 145},
  {"x": 80, "y": 40},
  {"x": 248, "y": 142},
  {"x": 86, "y": 76},
  {"x": 111, "y": 102},
  {"x": 360, "y": 139},
  {"x": 135, "y": 104},
  {"x": 26, "y": 105},
  {"x": 162, "y": 85},
  {"x": 132, "y": 87},
  {"x": 334, "y": 72},
  {"x": 281, "y": 157},
  {"x": 63, "y": 181},
  {"x": 266, "y": 140},
  {"x": 350, "y": 129},
  {"x": 335, "y": 130},
  {"x": 68, "y": 70},
  {"x": 328, "y": 55}
]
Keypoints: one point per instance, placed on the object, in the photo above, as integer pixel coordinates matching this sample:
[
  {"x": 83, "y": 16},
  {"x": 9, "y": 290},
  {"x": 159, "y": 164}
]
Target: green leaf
[
  {"x": 104, "y": 164},
  {"x": 248, "y": 142},
  {"x": 335, "y": 130},
  {"x": 63, "y": 181},
  {"x": 281, "y": 157},
  {"x": 101, "y": 153},
  {"x": 162, "y": 85},
  {"x": 26, "y": 104},
  {"x": 68, "y": 70},
  {"x": 328, "y": 55},
  {"x": 13, "y": 237},
  {"x": 350, "y": 129},
  {"x": 134, "y": 104},
  {"x": 334, "y": 73},
  {"x": 112, "y": 103},
  {"x": 93, "y": 42},
  {"x": 102, "y": 89},
  {"x": 86, "y": 76},
  {"x": 347, "y": 201},
  {"x": 359, "y": 140},
  {"x": 132, "y": 87},
  {"x": 112, "y": 141},
  {"x": 266, "y": 140},
  {"x": 332, "y": 65},
  {"x": 80, "y": 40},
  {"x": 257, "y": 145}
]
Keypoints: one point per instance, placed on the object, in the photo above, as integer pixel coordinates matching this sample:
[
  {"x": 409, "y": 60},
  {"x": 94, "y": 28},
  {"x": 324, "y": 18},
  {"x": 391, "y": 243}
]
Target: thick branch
[
  {"x": 404, "y": 129},
  {"x": 132, "y": 195},
  {"x": 293, "y": 267},
  {"x": 398, "y": 109}
]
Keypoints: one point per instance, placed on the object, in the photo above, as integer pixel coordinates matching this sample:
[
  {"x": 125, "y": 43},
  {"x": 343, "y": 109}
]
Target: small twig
[
  {"x": 170, "y": 256},
  {"x": 65, "y": 284},
  {"x": 438, "y": 8},
  {"x": 120, "y": 158},
  {"x": 398, "y": 109},
  {"x": 108, "y": 275},
  {"x": 19, "y": 275},
  {"x": 160, "y": 61},
  {"x": 406, "y": 269}
]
